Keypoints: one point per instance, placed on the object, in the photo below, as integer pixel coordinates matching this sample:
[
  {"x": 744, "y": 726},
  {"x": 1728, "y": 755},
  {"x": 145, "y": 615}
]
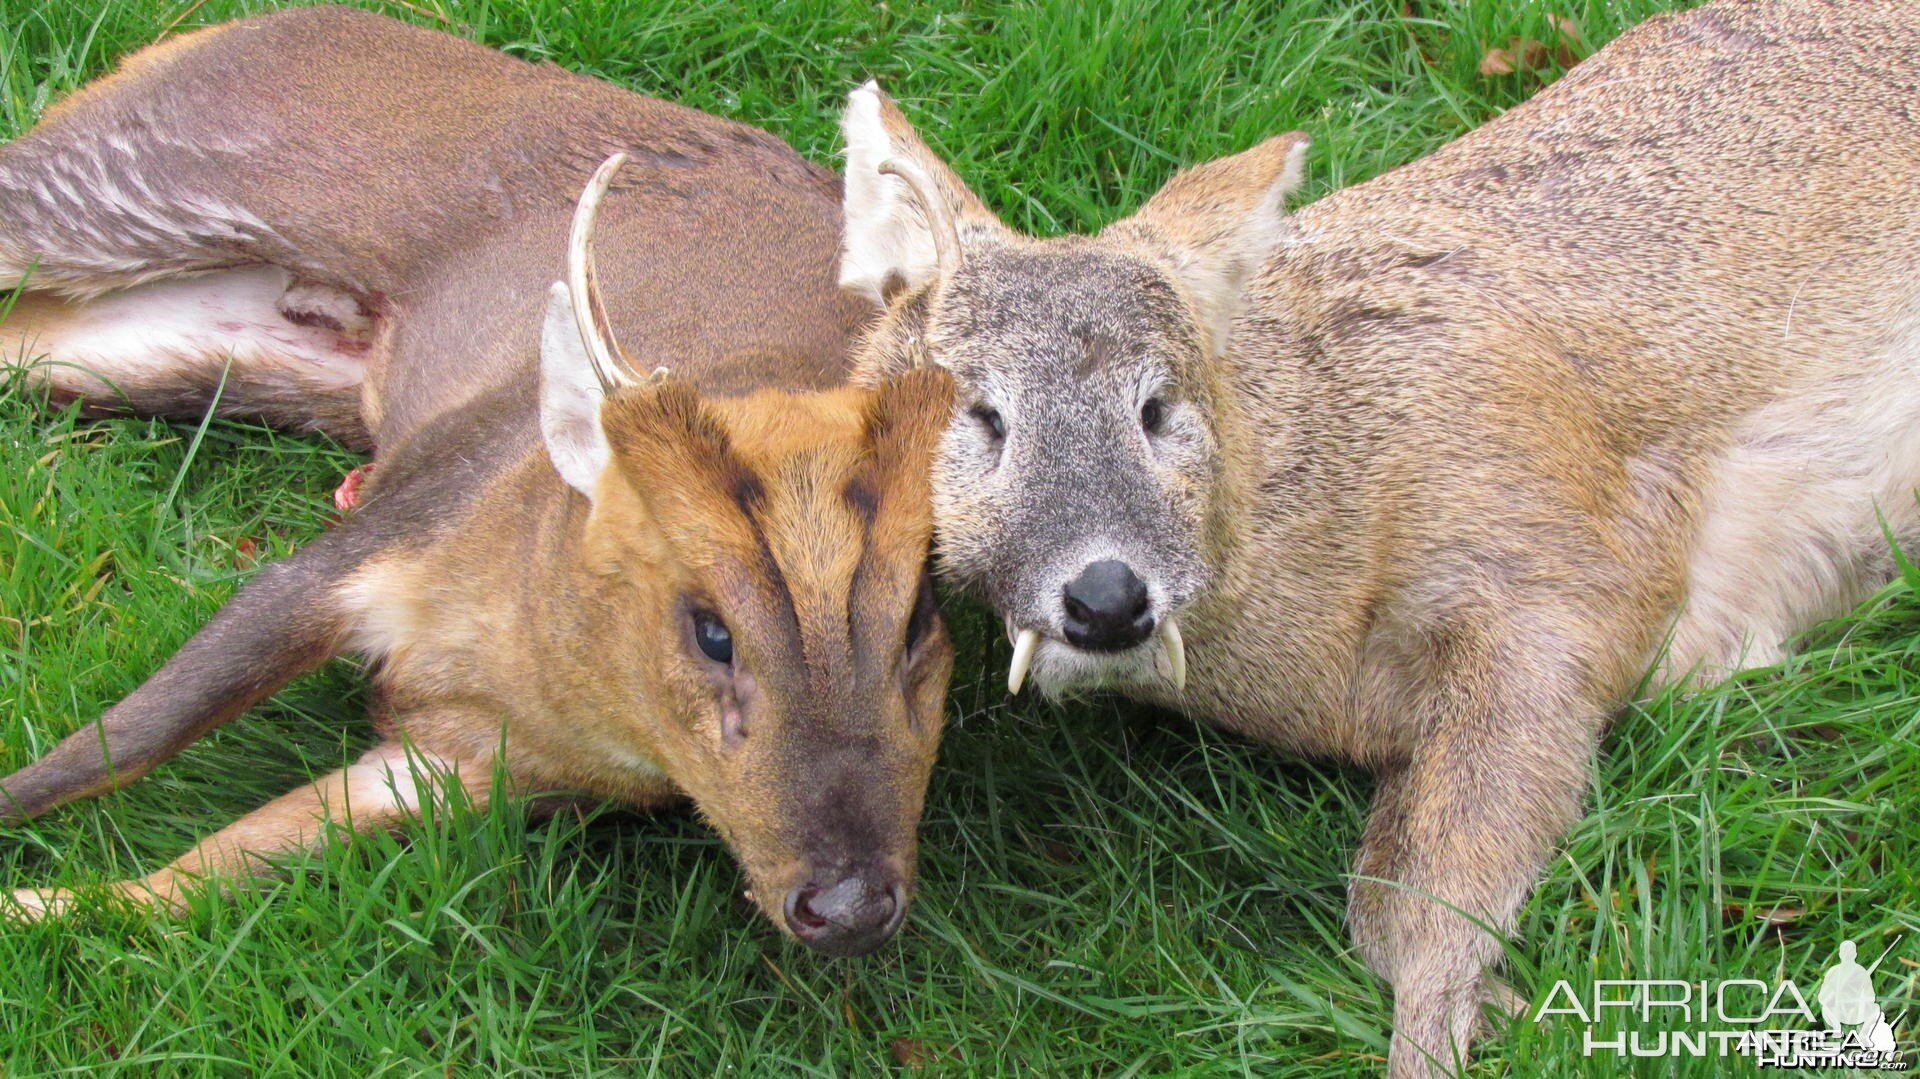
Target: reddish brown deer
[{"x": 708, "y": 584}]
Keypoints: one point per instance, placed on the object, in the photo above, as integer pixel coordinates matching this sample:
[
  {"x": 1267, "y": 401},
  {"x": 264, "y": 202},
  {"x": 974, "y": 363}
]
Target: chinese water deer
[
  {"x": 1429, "y": 474},
  {"x": 710, "y": 582}
]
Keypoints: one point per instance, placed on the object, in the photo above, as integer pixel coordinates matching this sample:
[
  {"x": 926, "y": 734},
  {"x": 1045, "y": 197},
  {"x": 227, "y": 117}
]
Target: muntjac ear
[
  {"x": 675, "y": 454},
  {"x": 1214, "y": 224},
  {"x": 893, "y": 240},
  {"x": 570, "y": 397},
  {"x": 904, "y": 420}
]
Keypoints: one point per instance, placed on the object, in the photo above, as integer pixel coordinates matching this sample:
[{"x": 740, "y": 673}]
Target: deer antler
[
  {"x": 946, "y": 238},
  {"x": 610, "y": 363}
]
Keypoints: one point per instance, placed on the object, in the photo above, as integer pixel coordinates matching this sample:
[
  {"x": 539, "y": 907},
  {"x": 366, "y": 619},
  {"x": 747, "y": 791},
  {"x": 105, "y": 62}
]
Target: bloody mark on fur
[
  {"x": 315, "y": 320},
  {"x": 347, "y": 495}
]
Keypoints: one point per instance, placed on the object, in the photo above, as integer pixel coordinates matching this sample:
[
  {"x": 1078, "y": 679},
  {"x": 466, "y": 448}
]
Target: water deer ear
[
  {"x": 570, "y": 397},
  {"x": 1214, "y": 224},
  {"x": 892, "y": 241}
]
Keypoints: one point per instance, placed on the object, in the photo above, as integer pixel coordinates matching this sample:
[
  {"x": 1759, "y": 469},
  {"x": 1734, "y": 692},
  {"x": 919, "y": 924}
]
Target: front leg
[
  {"x": 1460, "y": 831},
  {"x": 379, "y": 791}
]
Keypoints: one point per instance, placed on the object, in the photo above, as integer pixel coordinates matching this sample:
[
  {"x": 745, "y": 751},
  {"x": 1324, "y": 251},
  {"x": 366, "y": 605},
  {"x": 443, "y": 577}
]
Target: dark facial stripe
[
  {"x": 866, "y": 505},
  {"x": 865, "y": 501},
  {"x": 770, "y": 570}
]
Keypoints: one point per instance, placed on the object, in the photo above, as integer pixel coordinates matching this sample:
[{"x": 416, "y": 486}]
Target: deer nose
[
  {"x": 850, "y": 916},
  {"x": 1108, "y": 609}
]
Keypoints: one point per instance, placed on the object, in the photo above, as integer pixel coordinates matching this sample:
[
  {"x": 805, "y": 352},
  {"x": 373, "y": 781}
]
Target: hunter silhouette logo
[
  {"x": 1848, "y": 1003},
  {"x": 1771, "y": 1024}
]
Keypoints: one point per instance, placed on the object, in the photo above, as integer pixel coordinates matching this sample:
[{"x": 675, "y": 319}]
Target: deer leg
[
  {"x": 151, "y": 287},
  {"x": 1457, "y": 836},
  {"x": 380, "y": 790},
  {"x": 244, "y": 342},
  {"x": 284, "y": 622}
]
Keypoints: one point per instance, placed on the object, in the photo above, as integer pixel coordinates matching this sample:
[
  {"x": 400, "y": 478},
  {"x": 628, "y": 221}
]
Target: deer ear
[
  {"x": 688, "y": 482},
  {"x": 1214, "y": 224},
  {"x": 570, "y": 397},
  {"x": 889, "y": 243},
  {"x": 904, "y": 420}
]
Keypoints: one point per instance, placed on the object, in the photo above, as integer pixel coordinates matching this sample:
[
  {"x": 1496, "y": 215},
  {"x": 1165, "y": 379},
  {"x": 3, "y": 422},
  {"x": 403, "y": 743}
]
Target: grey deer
[{"x": 1428, "y": 475}]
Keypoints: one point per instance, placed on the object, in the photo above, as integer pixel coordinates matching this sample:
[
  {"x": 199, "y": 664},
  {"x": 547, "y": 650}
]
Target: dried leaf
[
  {"x": 1771, "y": 917},
  {"x": 1059, "y": 853},
  {"x": 1522, "y": 54},
  {"x": 911, "y": 1052},
  {"x": 1571, "y": 44}
]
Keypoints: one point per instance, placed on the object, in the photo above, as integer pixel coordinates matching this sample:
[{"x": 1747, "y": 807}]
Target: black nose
[
  {"x": 850, "y": 916},
  {"x": 1107, "y": 608}
]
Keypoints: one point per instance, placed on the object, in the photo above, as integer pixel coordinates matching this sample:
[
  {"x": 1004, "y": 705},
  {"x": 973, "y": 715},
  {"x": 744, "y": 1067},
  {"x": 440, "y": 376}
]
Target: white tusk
[
  {"x": 1176, "y": 652},
  {"x": 1023, "y": 646}
]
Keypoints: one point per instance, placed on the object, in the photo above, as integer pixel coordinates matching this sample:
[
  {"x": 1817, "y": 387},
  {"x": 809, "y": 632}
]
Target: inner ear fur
[{"x": 888, "y": 244}]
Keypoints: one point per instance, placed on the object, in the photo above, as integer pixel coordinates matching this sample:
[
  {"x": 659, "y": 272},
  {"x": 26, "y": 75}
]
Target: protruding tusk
[
  {"x": 1023, "y": 646},
  {"x": 610, "y": 365},
  {"x": 1176, "y": 652}
]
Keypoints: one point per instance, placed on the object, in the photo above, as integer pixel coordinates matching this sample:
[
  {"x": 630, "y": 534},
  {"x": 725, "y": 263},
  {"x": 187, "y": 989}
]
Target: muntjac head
[{"x": 769, "y": 630}]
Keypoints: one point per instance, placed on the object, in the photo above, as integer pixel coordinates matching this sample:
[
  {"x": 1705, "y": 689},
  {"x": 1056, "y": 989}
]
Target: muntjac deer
[
  {"x": 709, "y": 583},
  {"x": 1428, "y": 475}
]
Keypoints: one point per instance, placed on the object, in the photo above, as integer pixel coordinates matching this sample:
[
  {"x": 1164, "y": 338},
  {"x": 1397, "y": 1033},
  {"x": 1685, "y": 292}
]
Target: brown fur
[
  {"x": 381, "y": 272},
  {"x": 1634, "y": 362}
]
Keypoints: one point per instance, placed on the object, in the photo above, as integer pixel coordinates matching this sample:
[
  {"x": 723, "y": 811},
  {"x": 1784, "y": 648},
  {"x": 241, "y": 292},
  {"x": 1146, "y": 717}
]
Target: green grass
[{"x": 1104, "y": 889}]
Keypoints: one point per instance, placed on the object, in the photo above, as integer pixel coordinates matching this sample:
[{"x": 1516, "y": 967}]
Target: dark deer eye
[
  {"x": 1153, "y": 414},
  {"x": 711, "y": 635},
  {"x": 991, "y": 419}
]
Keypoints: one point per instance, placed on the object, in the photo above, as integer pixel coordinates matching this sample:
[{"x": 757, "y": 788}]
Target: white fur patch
[
  {"x": 1793, "y": 526},
  {"x": 101, "y": 225},
  {"x": 32, "y": 904},
  {"x": 144, "y": 333},
  {"x": 392, "y": 779},
  {"x": 884, "y": 237},
  {"x": 379, "y": 603}
]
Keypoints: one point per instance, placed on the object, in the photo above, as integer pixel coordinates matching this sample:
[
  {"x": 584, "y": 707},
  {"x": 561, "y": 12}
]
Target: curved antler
[
  {"x": 946, "y": 238},
  {"x": 610, "y": 364}
]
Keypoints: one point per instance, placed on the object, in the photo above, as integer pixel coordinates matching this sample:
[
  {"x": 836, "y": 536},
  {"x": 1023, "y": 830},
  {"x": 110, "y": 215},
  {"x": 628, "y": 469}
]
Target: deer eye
[
  {"x": 990, "y": 418},
  {"x": 711, "y": 635},
  {"x": 1153, "y": 414}
]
